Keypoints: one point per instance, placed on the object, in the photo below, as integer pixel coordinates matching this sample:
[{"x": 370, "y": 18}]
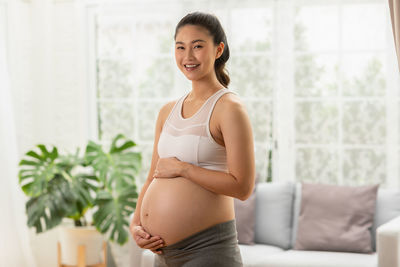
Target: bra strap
[{"x": 224, "y": 91}]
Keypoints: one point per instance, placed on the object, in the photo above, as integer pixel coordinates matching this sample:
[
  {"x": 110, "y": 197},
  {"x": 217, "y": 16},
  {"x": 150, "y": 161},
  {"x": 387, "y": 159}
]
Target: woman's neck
[{"x": 201, "y": 90}]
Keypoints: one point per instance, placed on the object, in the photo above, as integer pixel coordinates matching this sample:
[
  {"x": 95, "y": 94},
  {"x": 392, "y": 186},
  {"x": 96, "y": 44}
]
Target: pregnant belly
[{"x": 177, "y": 208}]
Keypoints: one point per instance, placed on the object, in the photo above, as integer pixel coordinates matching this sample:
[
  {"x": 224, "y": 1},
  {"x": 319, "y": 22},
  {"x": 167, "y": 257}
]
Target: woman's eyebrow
[{"x": 198, "y": 40}]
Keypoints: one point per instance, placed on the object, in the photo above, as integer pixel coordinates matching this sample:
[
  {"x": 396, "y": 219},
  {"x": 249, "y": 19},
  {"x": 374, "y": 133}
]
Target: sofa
[{"x": 277, "y": 209}]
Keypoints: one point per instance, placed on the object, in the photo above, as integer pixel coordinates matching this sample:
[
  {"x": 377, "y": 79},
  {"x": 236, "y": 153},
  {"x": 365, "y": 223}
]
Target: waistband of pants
[{"x": 218, "y": 230}]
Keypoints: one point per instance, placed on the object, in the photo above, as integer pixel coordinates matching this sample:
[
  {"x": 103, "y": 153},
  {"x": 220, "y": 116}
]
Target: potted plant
[{"x": 68, "y": 186}]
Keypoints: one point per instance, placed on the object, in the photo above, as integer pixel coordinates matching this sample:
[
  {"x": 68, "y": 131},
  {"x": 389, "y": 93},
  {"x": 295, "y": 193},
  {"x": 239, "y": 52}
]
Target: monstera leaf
[
  {"x": 113, "y": 213},
  {"x": 47, "y": 210},
  {"x": 66, "y": 186},
  {"x": 116, "y": 169},
  {"x": 55, "y": 192},
  {"x": 38, "y": 170},
  {"x": 82, "y": 185}
]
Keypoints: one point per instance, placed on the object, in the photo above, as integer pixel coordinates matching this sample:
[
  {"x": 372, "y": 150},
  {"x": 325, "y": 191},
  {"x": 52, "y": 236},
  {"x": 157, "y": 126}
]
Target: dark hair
[{"x": 212, "y": 24}]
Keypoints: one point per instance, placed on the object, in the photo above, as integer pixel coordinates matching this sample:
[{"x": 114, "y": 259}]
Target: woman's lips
[{"x": 191, "y": 67}]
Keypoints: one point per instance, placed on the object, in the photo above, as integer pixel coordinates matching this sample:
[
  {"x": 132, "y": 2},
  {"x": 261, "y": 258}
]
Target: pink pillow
[
  {"x": 336, "y": 218},
  {"x": 245, "y": 217}
]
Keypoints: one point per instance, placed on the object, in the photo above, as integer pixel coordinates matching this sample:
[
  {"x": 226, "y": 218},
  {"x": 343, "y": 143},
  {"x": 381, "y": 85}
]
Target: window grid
[{"x": 284, "y": 94}]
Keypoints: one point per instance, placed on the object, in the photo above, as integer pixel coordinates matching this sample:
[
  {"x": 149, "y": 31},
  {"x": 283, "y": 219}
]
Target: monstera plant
[{"x": 67, "y": 186}]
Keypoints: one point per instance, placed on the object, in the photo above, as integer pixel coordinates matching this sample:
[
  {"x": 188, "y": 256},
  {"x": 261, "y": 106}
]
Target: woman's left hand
[{"x": 168, "y": 168}]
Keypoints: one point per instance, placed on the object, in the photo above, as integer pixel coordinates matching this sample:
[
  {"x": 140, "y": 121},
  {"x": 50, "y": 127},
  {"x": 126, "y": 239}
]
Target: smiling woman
[{"x": 203, "y": 157}]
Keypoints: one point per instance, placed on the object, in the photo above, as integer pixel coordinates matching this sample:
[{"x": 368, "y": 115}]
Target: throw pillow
[
  {"x": 274, "y": 209},
  {"x": 336, "y": 218},
  {"x": 245, "y": 217}
]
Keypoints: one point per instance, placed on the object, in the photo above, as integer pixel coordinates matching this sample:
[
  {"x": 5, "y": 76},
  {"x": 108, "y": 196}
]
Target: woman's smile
[{"x": 191, "y": 67}]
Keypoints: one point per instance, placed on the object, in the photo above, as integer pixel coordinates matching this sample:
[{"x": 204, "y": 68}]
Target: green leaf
[
  {"x": 113, "y": 213},
  {"x": 59, "y": 189},
  {"x": 37, "y": 170},
  {"x": 47, "y": 210}
]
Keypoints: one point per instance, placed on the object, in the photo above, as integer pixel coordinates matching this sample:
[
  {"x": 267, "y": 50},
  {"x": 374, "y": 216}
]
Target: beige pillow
[
  {"x": 245, "y": 216},
  {"x": 245, "y": 219},
  {"x": 336, "y": 218}
]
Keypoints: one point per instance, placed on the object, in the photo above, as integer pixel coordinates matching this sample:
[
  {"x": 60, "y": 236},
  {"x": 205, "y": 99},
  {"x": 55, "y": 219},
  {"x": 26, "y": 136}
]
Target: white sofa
[{"x": 277, "y": 209}]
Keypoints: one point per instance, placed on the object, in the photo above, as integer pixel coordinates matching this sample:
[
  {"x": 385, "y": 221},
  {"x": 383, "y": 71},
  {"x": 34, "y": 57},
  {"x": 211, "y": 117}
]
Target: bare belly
[{"x": 177, "y": 208}]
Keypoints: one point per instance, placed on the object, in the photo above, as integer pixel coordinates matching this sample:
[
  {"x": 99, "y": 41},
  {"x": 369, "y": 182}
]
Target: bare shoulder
[
  {"x": 230, "y": 104},
  {"x": 167, "y": 107},
  {"x": 165, "y": 110}
]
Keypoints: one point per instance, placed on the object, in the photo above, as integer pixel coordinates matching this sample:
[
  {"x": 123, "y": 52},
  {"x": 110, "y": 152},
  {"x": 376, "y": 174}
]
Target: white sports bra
[{"x": 190, "y": 139}]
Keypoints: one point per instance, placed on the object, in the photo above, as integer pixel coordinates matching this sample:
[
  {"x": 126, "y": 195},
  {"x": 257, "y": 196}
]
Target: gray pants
[{"x": 216, "y": 246}]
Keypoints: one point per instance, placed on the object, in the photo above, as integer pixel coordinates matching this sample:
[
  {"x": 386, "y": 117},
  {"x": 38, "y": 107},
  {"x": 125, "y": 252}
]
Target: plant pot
[{"x": 70, "y": 239}]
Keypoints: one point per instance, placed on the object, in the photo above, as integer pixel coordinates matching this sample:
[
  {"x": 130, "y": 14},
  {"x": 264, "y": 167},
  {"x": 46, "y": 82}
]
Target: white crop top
[{"x": 190, "y": 139}]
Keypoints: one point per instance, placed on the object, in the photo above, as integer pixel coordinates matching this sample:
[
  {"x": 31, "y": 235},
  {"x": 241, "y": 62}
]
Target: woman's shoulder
[
  {"x": 230, "y": 100},
  {"x": 231, "y": 114},
  {"x": 229, "y": 106},
  {"x": 167, "y": 108}
]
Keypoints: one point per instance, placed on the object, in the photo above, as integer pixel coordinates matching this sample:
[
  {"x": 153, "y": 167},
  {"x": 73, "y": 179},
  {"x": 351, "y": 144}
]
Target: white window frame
[{"x": 284, "y": 156}]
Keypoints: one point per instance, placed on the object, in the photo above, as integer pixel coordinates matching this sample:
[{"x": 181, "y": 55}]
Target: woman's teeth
[{"x": 191, "y": 67}]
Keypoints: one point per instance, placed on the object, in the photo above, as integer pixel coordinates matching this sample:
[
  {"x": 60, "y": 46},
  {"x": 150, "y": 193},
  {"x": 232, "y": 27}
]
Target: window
[{"x": 318, "y": 79}]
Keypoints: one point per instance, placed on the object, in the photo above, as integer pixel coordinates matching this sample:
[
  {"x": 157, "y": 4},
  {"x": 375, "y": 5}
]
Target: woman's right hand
[{"x": 145, "y": 240}]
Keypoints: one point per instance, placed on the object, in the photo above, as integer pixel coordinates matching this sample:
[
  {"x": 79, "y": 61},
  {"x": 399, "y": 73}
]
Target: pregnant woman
[{"x": 203, "y": 157}]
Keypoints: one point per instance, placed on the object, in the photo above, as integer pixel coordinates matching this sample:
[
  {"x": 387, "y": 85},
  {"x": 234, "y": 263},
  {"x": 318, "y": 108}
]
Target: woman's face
[{"x": 195, "y": 52}]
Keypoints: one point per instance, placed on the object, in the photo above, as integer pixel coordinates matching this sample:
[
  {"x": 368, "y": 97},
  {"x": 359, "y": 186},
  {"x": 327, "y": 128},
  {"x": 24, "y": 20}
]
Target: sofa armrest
[{"x": 388, "y": 243}]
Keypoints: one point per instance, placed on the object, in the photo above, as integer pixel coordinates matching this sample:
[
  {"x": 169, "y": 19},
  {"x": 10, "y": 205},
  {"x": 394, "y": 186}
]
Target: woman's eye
[
  {"x": 179, "y": 47},
  {"x": 199, "y": 46}
]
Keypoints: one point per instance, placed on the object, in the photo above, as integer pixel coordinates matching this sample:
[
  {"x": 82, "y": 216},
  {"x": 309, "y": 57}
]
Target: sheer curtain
[
  {"x": 394, "y": 6},
  {"x": 14, "y": 245}
]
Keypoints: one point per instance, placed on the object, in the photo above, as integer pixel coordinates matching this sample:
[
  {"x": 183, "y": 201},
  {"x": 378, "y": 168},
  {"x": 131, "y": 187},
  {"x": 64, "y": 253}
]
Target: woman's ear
[{"x": 220, "y": 50}]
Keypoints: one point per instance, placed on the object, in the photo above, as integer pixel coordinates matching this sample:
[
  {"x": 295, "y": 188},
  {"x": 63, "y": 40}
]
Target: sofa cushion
[
  {"x": 274, "y": 206},
  {"x": 336, "y": 218},
  {"x": 296, "y": 212},
  {"x": 387, "y": 208},
  {"x": 298, "y": 258},
  {"x": 245, "y": 216},
  {"x": 147, "y": 259},
  {"x": 256, "y": 255},
  {"x": 245, "y": 219}
]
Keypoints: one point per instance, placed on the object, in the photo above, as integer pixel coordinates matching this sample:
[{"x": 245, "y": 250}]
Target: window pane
[
  {"x": 251, "y": 29},
  {"x": 316, "y": 122},
  {"x": 115, "y": 118},
  {"x": 252, "y": 76},
  {"x": 114, "y": 78},
  {"x": 114, "y": 38},
  {"x": 316, "y": 75},
  {"x": 364, "y": 166},
  {"x": 260, "y": 114},
  {"x": 364, "y": 75},
  {"x": 365, "y": 26},
  {"x": 157, "y": 79},
  {"x": 364, "y": 122},
  {"x": 317, "y": 165},
  {"x": 148, "y": 116},
  {"x": 316, "y": 28}
]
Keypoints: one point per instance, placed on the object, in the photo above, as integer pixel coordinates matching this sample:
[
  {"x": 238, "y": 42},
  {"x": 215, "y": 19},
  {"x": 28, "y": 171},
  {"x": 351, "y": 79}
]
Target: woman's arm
[{"x": 236, "y": 130}]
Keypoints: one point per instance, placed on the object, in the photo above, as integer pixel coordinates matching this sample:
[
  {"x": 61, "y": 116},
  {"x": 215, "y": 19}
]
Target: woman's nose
[{"x": 189, "y": 54}]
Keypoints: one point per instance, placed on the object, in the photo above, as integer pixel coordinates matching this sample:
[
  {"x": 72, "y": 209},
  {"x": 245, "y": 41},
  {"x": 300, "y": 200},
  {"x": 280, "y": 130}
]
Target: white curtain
[
  {"x": 14, "y": 235},
  {"x": 394, "y": 6}
]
